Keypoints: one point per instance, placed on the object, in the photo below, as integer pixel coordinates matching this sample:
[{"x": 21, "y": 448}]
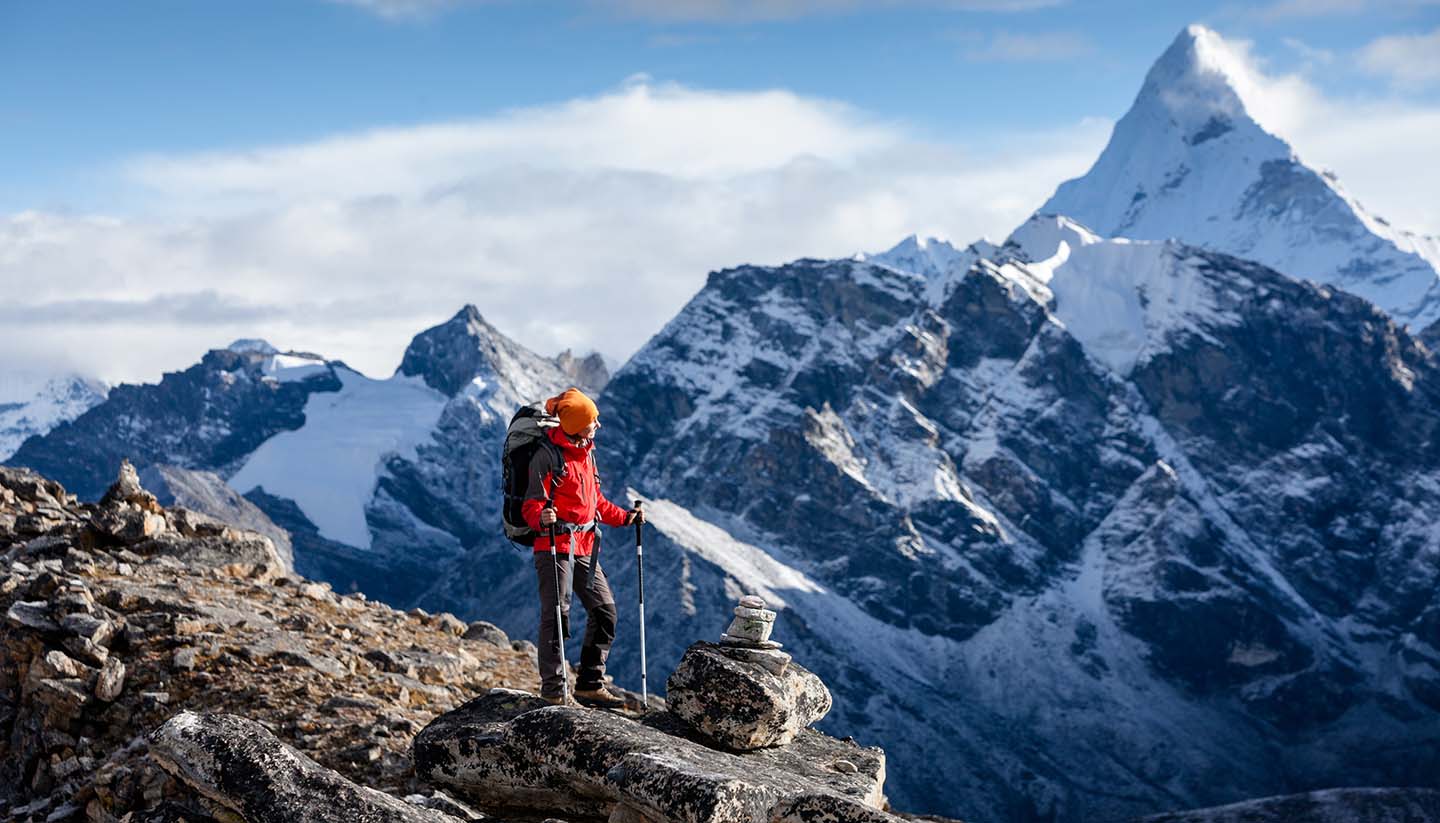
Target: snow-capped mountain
[
  {"x": 210, "y": 416},
  {"x": 37, "y": 410},
  {"x": 1077, "y": 527},
  {"x": 1097, "y": 570},
  {"x": 1189, "y": 161}
]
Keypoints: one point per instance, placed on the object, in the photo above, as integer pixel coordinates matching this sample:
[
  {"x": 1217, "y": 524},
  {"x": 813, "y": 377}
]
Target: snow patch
[{"x": 329, "y": 465}]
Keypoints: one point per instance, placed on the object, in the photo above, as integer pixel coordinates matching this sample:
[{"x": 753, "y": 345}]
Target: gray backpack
[{"x": 528, "y": 433}]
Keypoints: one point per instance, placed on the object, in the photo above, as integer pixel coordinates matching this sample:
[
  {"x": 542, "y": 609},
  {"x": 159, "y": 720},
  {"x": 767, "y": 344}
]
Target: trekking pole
[
  {"x": 640, "y": 574},
  {"x": 559, "y": 616}
]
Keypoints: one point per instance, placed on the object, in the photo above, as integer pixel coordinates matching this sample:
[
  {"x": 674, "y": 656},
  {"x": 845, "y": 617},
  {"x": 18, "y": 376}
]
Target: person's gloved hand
[
  {"x": 634, "y": 516},
  {"x": 547, "y": 516}
]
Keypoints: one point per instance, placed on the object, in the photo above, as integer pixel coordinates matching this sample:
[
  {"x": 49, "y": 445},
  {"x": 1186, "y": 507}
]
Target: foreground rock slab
[
  {"x": 739, "y": 702},
  {"x": 240, "y": 765},
  {"x": 509, "y": 749}
]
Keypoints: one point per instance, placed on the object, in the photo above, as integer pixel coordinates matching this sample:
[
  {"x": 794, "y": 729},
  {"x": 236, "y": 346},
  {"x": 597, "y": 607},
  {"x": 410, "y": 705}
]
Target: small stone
[
  {"x": 87, "y": 650},
  {"x": 81, "y": 624},
  {"x": 484, "y": 632},
  {"x": 61, "y": 664},
  {"x": 31, "y": 615},
  {"x": 450, "y": 624},
  {"x": 752, "y": 601},
  {"x": 111, "y": 680},
  {"x": 185, "y": 658},
  {"x": 153, "y": 700},
  {"x": 315, "y": 591},
  {"x": 845, "y": 767},
  {"x": 186, "y": 626}
]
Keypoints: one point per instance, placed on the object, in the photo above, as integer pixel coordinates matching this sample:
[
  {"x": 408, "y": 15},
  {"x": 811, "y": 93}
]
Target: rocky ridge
[
  {"x": 119, "y": 614},
  {"x": 160, "y": 665}
]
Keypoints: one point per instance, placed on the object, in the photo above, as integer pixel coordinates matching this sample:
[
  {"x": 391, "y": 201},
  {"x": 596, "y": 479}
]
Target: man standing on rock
[{"x": 575, "y": 506}]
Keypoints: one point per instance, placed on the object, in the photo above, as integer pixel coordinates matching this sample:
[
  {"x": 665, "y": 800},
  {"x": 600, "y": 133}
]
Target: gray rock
[
  {"x": 441, "y": 802},
  {"x": 111, "y": 681},
  {"x": 248, "y": 552},
  {"x": 126, "y": 524},
  {"x": 31, "y": 615},
  {"x": 741, "y": 704},
  {"x": 485, "y": 632},
  {"x": 240, "y": 765},
  {"x": 97, "y": 630},
  {"x": 510, "y": 748},
  {"x": 202, "y": 501}
]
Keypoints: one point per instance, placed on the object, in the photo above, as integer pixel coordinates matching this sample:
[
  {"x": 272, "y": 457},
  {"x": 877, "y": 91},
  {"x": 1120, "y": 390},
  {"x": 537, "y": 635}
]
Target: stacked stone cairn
[{"x": 745, "y": 693}]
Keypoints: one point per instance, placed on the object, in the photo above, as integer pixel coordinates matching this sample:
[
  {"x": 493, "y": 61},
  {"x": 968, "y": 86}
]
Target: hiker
[{"x": 575, "y": 504}]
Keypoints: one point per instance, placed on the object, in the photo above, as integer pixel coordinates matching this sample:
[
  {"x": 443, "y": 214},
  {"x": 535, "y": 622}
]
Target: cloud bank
[{"x": 583, "y": 224}]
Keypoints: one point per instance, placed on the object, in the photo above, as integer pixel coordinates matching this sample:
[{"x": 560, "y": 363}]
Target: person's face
[{"x": 589, "y": 433}]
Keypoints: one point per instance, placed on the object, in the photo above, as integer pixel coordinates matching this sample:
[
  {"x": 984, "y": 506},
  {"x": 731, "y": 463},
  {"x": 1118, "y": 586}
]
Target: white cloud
[
  {"x": 1407, "y": 59},
  {"x": 582, "y": 224}
]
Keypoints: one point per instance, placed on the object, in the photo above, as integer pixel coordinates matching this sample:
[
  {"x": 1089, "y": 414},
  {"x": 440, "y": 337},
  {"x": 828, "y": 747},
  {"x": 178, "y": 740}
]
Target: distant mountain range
[
  {"x": 57, "y": 400},
  {"x": 1135, "y": 511}
]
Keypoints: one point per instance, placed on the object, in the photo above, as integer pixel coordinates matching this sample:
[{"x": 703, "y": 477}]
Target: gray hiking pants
[{"x": 599, "y": 623}]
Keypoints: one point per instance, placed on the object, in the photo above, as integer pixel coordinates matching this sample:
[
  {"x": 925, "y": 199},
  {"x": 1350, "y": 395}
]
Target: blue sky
[
  {"x": 86, "y": 84},
  {"x": 337, "y": 175}
]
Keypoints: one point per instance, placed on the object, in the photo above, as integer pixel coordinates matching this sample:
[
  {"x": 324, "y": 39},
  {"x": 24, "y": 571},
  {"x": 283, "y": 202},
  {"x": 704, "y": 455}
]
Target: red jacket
[{"x": 577, "y": 499}]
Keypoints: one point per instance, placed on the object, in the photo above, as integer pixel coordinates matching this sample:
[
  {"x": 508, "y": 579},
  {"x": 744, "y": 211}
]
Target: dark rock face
[
  {"x": 239, "y": 764},
  {"x": 742, "y": 705},
  {"x": 1329, "y": 806},
  {"x": 509, "y": 749},
  {"x": 210, "y": 416},
  {"x": 589, "y": 373},
  {"x": 451, "y": 354}
]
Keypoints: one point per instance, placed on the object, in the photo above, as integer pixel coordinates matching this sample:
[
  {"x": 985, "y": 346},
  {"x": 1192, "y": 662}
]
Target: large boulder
[
  {"x": 240, "y": 765},
  {"x": 510, "y": 749},
  {"x": 741, "y": 700}
]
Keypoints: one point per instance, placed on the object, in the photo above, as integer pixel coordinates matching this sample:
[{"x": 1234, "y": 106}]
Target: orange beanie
[{"x": 575, "y": 410}]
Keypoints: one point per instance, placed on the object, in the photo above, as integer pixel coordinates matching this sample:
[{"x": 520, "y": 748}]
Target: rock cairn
[{"x": 744, "y": 693}]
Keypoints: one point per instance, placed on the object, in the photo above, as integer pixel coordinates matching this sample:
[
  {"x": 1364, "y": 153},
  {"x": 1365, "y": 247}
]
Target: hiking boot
[
  {"x": 599, "y": 697},
  {"x": 558, "y": 700}
]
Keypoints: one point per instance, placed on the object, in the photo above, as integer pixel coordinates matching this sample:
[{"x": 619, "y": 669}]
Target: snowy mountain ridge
[
  {"x": 59, "y": 399},
  {"x": 1189, "y": 161}
]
